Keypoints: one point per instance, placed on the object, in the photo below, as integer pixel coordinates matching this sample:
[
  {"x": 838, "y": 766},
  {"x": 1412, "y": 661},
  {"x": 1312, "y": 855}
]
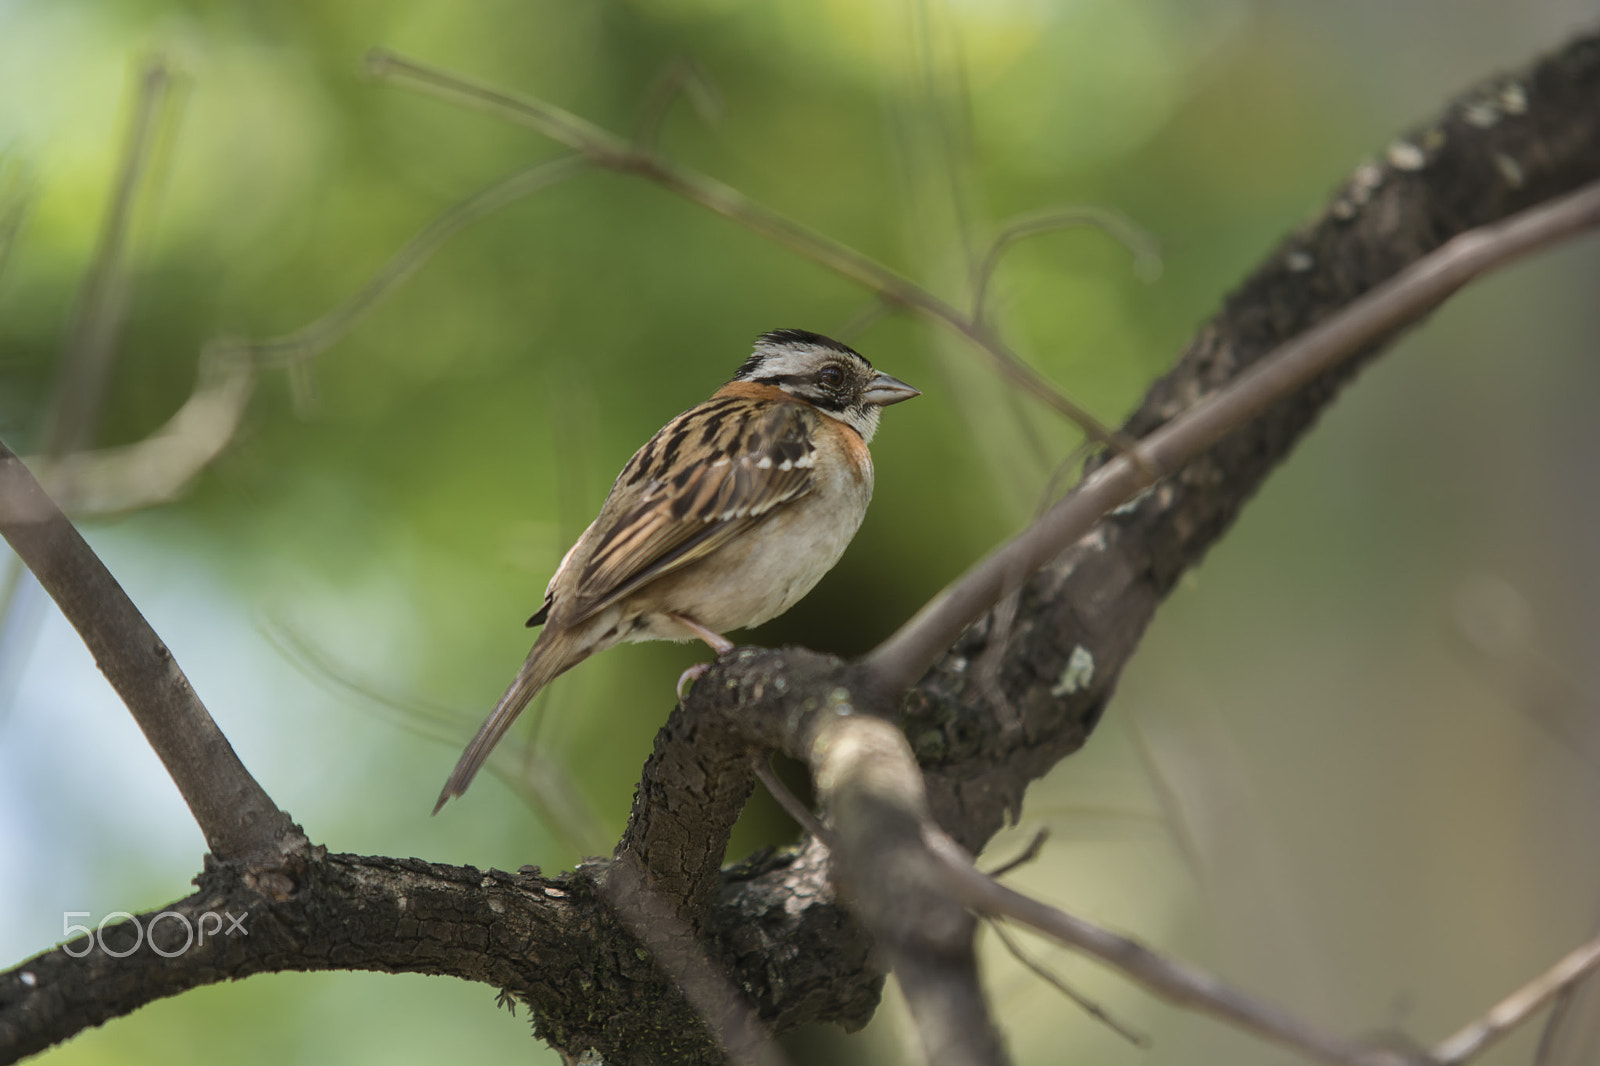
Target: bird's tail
[{"x": 552, "y": 655}]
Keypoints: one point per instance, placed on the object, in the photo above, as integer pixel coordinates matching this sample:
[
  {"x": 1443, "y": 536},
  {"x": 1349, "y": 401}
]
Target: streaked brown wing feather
[{"x": 754, "y": 458}]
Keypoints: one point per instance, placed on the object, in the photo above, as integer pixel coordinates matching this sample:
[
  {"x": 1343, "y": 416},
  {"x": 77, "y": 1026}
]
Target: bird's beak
[{"x": 884, "y": 390}]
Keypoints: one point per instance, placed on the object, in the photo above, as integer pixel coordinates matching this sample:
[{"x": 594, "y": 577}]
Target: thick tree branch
[
  {"x": 238, "y": 818},
  {"x": 1515, "y": 141},
  {"x": 692, "y": 790},
  {"x": 537, "y": 938}
]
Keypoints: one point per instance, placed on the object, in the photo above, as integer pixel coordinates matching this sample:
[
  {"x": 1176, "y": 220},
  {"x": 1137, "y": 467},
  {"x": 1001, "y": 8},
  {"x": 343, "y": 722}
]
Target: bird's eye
[{"x": 831, "y": 376}]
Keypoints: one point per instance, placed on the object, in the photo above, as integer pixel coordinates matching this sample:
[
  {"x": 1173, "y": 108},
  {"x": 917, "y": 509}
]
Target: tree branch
[
  {"x": 1515, "y": 1008},
  {"x": 238, "y": 818},
  {"x": 1081, "y": 616},
  {"x": 898, "y": 662}
]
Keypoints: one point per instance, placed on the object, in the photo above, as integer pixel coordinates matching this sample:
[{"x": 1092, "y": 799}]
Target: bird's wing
[{"x": 749, "y": 458}]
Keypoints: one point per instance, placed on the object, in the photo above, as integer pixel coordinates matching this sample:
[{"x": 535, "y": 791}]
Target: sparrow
[{"x": 729, "y": 515}]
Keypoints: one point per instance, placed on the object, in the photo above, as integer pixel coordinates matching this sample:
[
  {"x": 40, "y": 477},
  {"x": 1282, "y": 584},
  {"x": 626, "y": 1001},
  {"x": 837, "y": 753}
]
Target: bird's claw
[{"x": 690, "y": 676}]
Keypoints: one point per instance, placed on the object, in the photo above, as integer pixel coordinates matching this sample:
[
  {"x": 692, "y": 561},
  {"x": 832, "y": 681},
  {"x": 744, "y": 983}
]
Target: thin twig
[
  {"x": 1090, "y": 1007},
  {"x": 1172, "y": 980},
  {"x": 1143, "y": 246},
  {"x": 861, "y": 321},
  {"x": 1565, "y": 1011},
  {"x": 1173, "y": 818},
  {"x": 540, "y": 781},
  {"x": 1029, "y": 853},
  {"x": 867, "y": 775},
  {"x": 1555, "y": 1025},
  {"x": 606, "y": 149},
  {"x": 1516, "y": 1008},
  {"x": 92, "y": 345},
  {"x": 787, "y": 800},
  {"x": 936, "y": 103},
  {"x": 14, "y": 203},
  {"x": 315, "y": 338},
  {"x": 156, "y": 469},
  {"x": 683, "y": 77},
  {"x": 899, "y": 661},
  {"x": 89, "y": 354}
]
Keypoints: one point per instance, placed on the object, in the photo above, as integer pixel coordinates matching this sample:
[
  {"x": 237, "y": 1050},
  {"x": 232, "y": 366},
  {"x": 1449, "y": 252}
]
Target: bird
[{"x": 725, "y": 518}]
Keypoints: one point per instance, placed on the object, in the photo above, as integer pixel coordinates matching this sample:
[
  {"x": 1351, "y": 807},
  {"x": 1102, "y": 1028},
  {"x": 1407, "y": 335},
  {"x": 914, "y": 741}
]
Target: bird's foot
[
  {"x": 717, "y": 642},
  {"x": 689, "y": 677}
]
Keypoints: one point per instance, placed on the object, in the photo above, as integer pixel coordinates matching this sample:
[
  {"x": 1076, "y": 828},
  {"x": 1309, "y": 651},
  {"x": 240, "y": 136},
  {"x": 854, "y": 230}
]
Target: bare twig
[
  {"x": 683, "y": 77},
  {"x": 14, "y": 202},
  {"x": 1515, "y": 1008},
  {"x": 92, "y": 345},
  {"x": 1173, "y": 981},
  {"x": 1146, "y": 250},
  {"x": 899, "y": 661},
  {"x": 236, "y": 815},
  {"x": 540, "y": 781},
  {"x": 157, "y": 468},
  {"x": 1174, "y": 814},
  {"x": 1089, "y": 1006},
  {"x": 607, "y": 150},
  {"x": 902, "y": 871},
  {"x": 787, "y": 800},
  {"x": 1029, "y": 853},
  {"x": 861, "y": 321},
  {"x": 315, "y": 338},
  {"x": 1565, "y": 1035},
  {"x": 1557, "y": 1025}
]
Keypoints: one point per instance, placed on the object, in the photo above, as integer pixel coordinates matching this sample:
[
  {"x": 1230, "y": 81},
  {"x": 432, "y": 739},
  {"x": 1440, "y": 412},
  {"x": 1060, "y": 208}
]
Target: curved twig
[
  {"x": 315, "y": 338},
  {"x": 685, "y": 76},
  {"x": 1139, "y": 242},
  {"x": 608, "y": 150},
  {"x": 899, "y": 661},
  {"x": 91, "y": 347}
]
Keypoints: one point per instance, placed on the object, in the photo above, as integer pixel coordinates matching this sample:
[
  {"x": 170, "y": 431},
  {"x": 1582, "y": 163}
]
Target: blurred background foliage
[{"x": 1312, "y": 780}]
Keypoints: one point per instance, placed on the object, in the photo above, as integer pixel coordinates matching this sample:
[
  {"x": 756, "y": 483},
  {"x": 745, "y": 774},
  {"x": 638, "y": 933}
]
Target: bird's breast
[{"x": 767, "y": 570}]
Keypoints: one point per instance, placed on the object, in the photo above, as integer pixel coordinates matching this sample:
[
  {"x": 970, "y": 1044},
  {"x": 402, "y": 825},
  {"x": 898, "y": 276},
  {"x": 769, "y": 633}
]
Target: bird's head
[{"x": 832, "y": 377}]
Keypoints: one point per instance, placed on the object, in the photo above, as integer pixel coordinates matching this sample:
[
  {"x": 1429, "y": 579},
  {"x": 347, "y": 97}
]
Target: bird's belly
[{"x": 761, "y": 574}]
